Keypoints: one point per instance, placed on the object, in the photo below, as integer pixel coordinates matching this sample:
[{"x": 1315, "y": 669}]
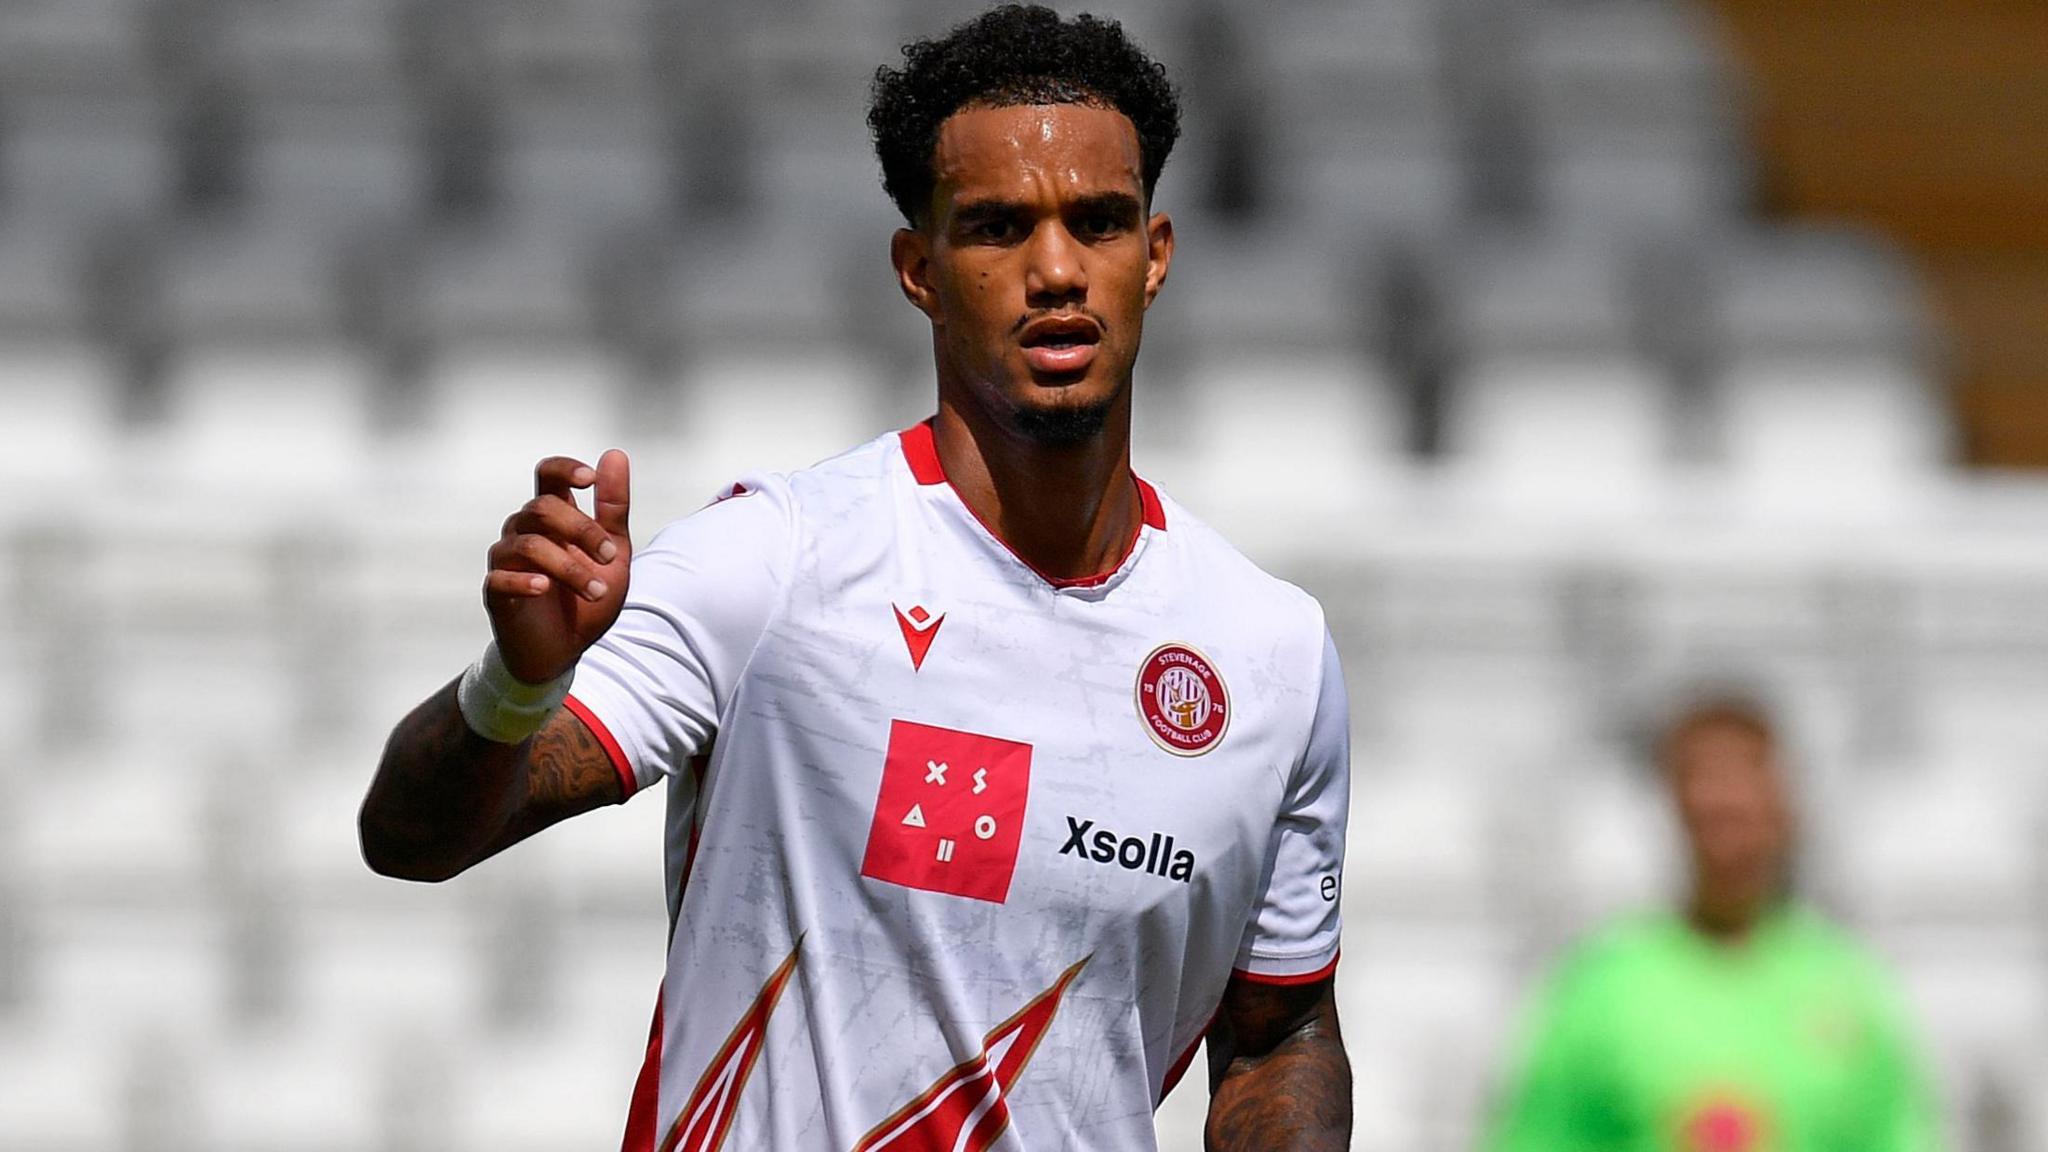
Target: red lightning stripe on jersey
[
  {"x": 716, "y": 1100},
  {"x": 965, "y": 1111}
]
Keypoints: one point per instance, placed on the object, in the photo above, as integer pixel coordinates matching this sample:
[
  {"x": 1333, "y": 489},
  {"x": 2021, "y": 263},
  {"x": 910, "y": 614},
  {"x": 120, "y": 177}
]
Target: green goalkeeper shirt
[{"x": 1653, "y": 1038}]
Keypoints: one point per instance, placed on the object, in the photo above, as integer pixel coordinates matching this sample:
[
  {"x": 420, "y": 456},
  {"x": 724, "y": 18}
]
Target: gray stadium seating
[{"x": 1472, "y": 332}]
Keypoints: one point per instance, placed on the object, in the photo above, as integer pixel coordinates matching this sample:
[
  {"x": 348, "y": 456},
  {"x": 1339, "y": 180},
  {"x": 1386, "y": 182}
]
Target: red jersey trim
[
  {"x": 921, "y": 452},
  {"x": 1148, "y": 499},
  {"x": 628, "y": 783},
  {"x": 1180, "y": 1066},
  {"x": 646, "y": 1088},
  {"x": 1323, "y": 973}
]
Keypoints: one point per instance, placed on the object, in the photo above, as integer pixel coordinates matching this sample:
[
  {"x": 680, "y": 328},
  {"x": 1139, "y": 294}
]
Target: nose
[{"x": 1054, "y": 274}]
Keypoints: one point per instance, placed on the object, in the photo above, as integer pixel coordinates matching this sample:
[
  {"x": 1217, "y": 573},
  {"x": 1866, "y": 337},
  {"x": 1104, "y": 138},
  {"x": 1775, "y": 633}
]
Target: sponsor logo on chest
[
  {"x": 1155, "y": 854},
  {"x": 949, "y": 815}
]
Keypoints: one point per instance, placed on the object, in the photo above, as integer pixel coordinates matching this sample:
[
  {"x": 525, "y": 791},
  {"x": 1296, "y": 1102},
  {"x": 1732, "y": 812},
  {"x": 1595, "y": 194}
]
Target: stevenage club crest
[{"x": 1181, "y": 700}]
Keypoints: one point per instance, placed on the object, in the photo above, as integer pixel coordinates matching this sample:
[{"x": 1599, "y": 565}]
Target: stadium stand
[{"x": 1478, "y": 331}]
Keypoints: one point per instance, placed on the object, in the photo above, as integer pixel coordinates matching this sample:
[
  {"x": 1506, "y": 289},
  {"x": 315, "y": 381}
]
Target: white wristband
[{"x": 499, "y": 706}]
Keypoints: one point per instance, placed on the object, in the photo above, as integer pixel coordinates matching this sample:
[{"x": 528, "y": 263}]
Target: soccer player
[
  {"x": 1743, "y": 1023},
  {"x": 995, "y": 779}
]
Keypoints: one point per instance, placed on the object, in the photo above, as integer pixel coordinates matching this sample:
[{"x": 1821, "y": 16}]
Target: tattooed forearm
[
  {"x": 1279, "y": 1079},
  {"x": 566, "y": 772},
  {"x": 440, "y": 794},
  {"x": 444, "y": 797},
  {"x": 562, "y": 759}
]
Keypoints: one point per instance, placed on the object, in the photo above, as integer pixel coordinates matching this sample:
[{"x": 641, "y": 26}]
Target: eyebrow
[
  {"x": 1121, "y": 205},
  {"x": 982, "y": 211}
]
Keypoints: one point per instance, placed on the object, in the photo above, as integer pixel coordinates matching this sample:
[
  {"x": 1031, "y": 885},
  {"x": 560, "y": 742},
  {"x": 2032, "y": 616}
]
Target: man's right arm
[{"x": 445, "y": 798}]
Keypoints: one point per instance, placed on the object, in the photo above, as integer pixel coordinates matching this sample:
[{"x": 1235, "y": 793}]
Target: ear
[
  {"x": 911, "y": 252},
  {"x": 1159, "y": 254}
]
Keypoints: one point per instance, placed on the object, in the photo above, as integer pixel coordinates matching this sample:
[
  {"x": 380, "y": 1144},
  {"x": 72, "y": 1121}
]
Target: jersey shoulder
[
  {"x": 1621, "y": 950},
  {"x": 797, "y": 496},
  {"x": 836, "y": 489},
  {"x": 1833, "y": 951},
  {"x": 1212, "y": 565}
]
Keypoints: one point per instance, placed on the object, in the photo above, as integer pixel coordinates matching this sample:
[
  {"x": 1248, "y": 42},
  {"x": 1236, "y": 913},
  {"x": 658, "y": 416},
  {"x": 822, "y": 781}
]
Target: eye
[
  {"x": 1100, "y": 224},
  {"x": 996, "y": 229}
]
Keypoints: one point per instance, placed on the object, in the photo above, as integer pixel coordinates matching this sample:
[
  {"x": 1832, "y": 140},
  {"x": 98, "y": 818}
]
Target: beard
[{"x": 1062, "y": 425}]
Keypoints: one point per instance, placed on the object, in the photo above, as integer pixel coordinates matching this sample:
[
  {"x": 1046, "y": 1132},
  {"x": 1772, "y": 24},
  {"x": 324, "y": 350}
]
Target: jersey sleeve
[
  {"x": 700, "y": 596},
  {"x": 1294, "y": 927}
]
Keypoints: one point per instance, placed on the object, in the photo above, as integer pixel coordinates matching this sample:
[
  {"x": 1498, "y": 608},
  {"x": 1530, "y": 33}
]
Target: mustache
[{"x": 1028, "y": 318}]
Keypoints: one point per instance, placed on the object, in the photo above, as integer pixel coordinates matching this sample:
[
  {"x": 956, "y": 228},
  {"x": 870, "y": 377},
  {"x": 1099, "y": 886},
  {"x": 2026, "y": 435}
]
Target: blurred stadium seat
[
  {"x": 1246, "y": 460},
  {"x": 774, "y": 409},
  {"x": 87, "y": 155},
  {"x": 65, "y": 405},
  {"x": 264, "y": 424},
  {"x": 1631, "y": 117},
  {"x": 1575, "y": 433},
  {"x": 1473, "y": 330},
  {"x": 53, "y": 1090},
  {"x": 494, "y": 406},
  {"x": 538, "y": 1089},
  {"x": 1359, "y": 133},
  {"x": 42, "y": 288},
  {"x": 301, "y": 1090},
  {"x": 1424, "y": 849}
]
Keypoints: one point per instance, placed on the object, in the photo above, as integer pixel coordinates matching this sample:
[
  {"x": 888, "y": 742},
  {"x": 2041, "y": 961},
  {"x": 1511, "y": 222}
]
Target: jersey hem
[
  {"x": 1180, "y": 1065},
  {"x": 1285, "y": 979}
]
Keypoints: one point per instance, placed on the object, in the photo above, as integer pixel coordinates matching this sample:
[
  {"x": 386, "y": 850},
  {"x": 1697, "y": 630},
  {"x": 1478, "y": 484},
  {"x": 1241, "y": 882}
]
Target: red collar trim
[
  {"x": 1148, "y": 499},
  {"x": 921, "y": 452}
]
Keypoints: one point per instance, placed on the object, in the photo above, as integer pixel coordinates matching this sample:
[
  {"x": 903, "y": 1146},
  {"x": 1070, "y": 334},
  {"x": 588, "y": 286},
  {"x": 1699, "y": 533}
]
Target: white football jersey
[{"x": 959, "y": 856}]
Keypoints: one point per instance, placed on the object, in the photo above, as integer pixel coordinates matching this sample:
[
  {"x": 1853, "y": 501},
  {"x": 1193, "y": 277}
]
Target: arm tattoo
[
  {"x": 444, "y": 797},
  {"x": 1278, "y": 1076},
  {"x": 567, "y": 773}
]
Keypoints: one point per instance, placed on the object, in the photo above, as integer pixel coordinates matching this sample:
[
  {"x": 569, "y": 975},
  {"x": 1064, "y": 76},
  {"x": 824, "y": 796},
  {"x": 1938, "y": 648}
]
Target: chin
[
  {"x": 1063, "y": 416},
  {"x": 1062, "y": 425}
]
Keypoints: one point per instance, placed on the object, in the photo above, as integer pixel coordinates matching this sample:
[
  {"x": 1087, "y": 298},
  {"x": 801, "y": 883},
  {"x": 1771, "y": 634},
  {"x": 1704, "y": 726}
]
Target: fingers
[
  {"x": 614, "y": 492},
  {"x": 530, "y": 554},
  {"x": 561, "y": 475},
  {"x": 517, "y": 585},
  {"x": 551, "y": 543},
  {"x": 561, "y": 521}
]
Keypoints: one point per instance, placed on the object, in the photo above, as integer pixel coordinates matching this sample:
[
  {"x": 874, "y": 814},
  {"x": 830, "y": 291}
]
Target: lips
[{"x": 1060, "y": 345}]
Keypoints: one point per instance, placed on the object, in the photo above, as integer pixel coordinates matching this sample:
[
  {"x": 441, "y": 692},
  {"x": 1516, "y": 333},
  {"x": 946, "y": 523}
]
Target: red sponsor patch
[
  {"x": 1181, "y": 700},
  {"x": 951, "y": 812}
]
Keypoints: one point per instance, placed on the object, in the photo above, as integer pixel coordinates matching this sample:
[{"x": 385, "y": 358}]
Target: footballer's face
[
  {"x": 1732, "y": 803},
  {"x": 1036, "y": 262}
]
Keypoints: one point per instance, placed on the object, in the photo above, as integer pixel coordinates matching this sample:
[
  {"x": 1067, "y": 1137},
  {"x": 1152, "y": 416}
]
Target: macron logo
[{"x": 920, "y": 628}]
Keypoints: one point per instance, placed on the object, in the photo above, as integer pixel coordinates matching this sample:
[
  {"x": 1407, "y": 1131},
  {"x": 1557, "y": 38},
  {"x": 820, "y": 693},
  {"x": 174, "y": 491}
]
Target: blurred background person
[
  {"x": 1741, "y": 1021},
  {"x": 1553, "y": 345}
]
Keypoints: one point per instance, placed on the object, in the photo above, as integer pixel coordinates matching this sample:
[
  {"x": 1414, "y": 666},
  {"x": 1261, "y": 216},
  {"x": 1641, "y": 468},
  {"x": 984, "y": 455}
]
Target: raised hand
[{"x": 558, "y": 577}]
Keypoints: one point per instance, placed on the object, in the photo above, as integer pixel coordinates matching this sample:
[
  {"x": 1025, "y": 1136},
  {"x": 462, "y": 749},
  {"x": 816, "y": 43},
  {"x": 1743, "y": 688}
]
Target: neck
[
  {"x": 1068, "y": 511},
  {"x": 1726, "y": 917}
]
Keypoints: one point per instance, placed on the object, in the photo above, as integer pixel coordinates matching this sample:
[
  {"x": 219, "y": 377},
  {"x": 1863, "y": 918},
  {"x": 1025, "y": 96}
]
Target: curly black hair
[{"x": 1015, "y": 54}]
